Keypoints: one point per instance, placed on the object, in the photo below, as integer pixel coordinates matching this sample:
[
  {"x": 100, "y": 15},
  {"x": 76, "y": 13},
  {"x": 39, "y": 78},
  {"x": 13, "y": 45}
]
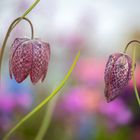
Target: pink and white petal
[
  {"x": 46, "y": 60},
  {"x": 13, "y": 48},
  {"x": 22, "y": 61},
  {"x": 40, "y": 59},
  {"x": 109, "y": 91},
  {"x": 36, "y": 70}
]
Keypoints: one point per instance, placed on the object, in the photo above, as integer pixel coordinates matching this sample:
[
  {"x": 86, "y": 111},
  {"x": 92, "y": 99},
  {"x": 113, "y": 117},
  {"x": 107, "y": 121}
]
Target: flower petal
[
  {"x": 22, "y": 61},
  {"x": 41, "y": 55},
  {"x": 13, "y": 48},
  {"x": 46, "y": 60}
]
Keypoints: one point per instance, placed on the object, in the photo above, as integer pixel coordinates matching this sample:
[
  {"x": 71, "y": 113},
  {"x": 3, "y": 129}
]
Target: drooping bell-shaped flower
[
  {"x": 29, "y": 57},
  {"x": 118, "y": 72}
]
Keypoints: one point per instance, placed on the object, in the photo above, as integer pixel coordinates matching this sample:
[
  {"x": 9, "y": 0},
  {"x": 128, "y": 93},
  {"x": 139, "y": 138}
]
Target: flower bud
[
  {"x": 29, "y": 57},
  {"x": 118, "y": 72}
]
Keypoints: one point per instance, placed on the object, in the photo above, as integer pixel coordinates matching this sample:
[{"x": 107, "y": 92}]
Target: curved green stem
[
  {"x": 133, "y": 76},
  {"x": 45, "y": 101},
  {"x": 27, "y": 11},
  {"x": 133, "y": 68},
  {"x": 129, "y": 43},
  {"x": 11, "y": 28}
]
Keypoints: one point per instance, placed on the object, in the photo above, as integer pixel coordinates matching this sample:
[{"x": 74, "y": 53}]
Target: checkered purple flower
[
  {"x": 29, "y": 57},
  {"x": 118, "y": 72}
]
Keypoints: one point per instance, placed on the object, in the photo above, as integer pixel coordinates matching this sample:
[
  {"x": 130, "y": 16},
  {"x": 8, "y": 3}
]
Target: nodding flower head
[
  {"x": 118, "y": 72},
  {"x": 29, "y": 57}
]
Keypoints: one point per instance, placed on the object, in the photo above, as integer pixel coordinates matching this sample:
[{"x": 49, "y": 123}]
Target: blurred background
[{"x": 79, "y": 112}]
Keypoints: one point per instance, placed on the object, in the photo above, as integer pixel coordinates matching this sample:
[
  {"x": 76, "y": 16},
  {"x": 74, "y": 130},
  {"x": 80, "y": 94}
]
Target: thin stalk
[
  {"x": 133, "y": 76},
  {"x": 47, "y": 119},
  {"x": 45, "y": 101},
  {"x": 133, "y": 68},
  {"x": 27, "y": 11},
  {"x": 128, "y": 44},
  {"x": 10, "y": 30}
]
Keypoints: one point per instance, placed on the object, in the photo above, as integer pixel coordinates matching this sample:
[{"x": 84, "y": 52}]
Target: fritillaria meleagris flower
[
  {"x": 118, "y": 72},
  {"x": 29, "y": 57}
]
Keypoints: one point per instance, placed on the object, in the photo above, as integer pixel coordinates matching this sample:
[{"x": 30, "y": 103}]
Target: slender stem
[
  {"x": 27, "y": 11},
  {"x": 133, "y": 76},
  {"x": 45, "y": 101},
  {"x": 133, "y": 41},
  {"x": 31, "y": 25},
  {"x": 15, "y": 22},
  {"x": 47, "y": 119},
  {"x": 133, "y": 68},
  {"x": 11, "y": 28}
]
